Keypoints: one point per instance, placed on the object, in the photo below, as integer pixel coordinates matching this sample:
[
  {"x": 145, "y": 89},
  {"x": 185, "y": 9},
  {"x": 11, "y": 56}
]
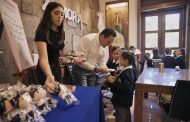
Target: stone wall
[{"x": 31, "y": 14}]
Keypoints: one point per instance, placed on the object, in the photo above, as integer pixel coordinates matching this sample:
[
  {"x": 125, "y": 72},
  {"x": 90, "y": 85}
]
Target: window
[
  {"x": 151, "y": 23},
  {"x": 172, "y": 21},
  {"x": 171, "y": 39},
  {"x": 162, "y": 29},
  {"x": 151, "y": 40}
]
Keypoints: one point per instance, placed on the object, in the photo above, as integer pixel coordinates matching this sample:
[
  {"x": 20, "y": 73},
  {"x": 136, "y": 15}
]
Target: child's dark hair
[
  {"x": 114, "y": 48},
  {"x": 127, "y": 55},
  {"x": 168, "y": 51},
  {"x": 131, "y": 47},
  {"x": 147, "y": 56}
]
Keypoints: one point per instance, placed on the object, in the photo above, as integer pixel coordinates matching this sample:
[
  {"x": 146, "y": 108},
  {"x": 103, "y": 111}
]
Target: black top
[
  {"x": 169, "y": 61},
  {"x": 156, "y": 57},
  {"x": 53, "y": 48},
  {"x": 112, "y": 65},
  {"x": 180, "y": 61},
  {"x": 123, "y": 88},
  {"x": 149, "y": 64}
]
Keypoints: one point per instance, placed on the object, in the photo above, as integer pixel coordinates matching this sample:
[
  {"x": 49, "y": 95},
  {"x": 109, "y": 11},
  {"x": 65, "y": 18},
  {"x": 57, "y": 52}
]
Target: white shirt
[
  {"x": 167, "y": 55},
  {"x": 128, "y": 67},
  {"x": 137, "y": 52},
  {"x": 95, "y": 53}
]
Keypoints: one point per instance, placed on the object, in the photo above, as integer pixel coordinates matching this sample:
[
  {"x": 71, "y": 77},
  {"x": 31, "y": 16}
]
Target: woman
[{"x": 50, "y": 38}]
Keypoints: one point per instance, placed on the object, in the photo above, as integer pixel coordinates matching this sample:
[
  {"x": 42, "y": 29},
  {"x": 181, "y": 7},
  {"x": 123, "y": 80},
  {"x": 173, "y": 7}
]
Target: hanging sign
[{"x": 15, "y": 34}]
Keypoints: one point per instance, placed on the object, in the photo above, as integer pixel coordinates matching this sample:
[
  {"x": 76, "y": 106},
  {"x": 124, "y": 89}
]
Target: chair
[
  {"x": 156, "y": 62},
  {"x": 180, "y": 103}
]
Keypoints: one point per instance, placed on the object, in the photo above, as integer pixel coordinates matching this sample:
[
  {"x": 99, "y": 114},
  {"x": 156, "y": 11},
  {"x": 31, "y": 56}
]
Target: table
[
  {"x": 152, "y": 81},
  {"x": 90, "y": 108}
]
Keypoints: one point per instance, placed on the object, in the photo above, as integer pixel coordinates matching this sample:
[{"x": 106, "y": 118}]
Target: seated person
[
  {"x": 136, "y": 52},
  {"x": 156, "y": 54},
  {"x": 112, "y": 64},
  {"x": 146, "y": 60},
  {"x": 168, "y": 60},
  {"x": 180, "y": 58},
  {"x": 164, "y": 99}
]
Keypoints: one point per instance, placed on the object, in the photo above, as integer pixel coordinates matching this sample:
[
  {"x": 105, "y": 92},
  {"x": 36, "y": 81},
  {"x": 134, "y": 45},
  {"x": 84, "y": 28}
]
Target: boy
[
  {"x": 114, "y": 64},
  {"x": 168, "y": 60}
]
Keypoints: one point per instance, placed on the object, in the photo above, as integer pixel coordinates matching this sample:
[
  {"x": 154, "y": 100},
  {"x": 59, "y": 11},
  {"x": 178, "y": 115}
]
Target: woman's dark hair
[
  {"x": 168, "y": 51},
  {"x": 108, "y": 32},
  {"x": 127, "y": 55},
  {"x": 45, "y": 24}
]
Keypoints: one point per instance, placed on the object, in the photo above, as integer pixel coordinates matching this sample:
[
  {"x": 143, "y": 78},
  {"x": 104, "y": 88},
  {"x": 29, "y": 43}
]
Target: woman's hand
[{"x": 50, "y": 83}]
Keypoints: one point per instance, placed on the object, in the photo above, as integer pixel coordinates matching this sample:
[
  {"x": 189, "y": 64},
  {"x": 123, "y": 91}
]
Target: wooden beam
[
  {"x": 164, "y": 6},
  {"x": 114, "y": 2}
]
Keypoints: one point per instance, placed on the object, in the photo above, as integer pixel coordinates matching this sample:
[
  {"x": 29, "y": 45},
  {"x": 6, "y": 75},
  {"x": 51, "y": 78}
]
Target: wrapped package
[
  {"x": 41, "y": 99},
  {"x": 63, "y": 92}
]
